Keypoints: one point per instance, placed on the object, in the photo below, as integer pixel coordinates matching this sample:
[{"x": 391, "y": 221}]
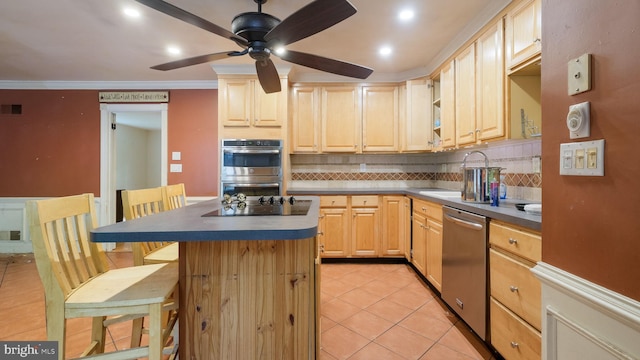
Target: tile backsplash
[{"x": 519, "y": 159}]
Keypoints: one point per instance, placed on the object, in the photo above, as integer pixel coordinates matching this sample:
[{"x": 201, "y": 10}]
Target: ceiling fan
[{"x": 260, "y": 34}]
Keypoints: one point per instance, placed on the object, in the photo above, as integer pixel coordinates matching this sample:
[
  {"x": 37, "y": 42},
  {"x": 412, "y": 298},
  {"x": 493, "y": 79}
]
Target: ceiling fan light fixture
[{"x": 279, "y": 50}]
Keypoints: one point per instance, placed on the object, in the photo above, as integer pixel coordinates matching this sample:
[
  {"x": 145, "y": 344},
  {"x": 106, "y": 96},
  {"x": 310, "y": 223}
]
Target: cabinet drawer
[
  {"x": 333, "y": 201},
  {"x": 512, "y": 337},
  {"x": 513, "y": 284},
  {"x": 516, "y": 240},
  {"x": 429, "y": 209},
  {"x": 364, "y": 201}
]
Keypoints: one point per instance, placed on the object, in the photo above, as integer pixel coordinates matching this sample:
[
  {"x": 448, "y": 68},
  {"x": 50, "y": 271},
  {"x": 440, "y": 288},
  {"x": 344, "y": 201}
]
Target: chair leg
[
  {"x": 155, "y": 332},
  {"x": 57, "y": 328},
  {"x": 136, "y": 332},
  {"x": 99, "y": 333}
]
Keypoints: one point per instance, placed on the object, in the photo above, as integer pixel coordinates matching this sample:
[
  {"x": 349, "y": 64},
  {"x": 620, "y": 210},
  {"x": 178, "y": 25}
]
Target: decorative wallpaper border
[{"x": 524, "y": 180}]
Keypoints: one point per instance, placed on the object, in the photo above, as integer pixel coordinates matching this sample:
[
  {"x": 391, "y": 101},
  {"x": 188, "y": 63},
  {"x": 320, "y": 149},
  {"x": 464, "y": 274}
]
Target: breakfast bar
[{"x": 248, "y": 283}]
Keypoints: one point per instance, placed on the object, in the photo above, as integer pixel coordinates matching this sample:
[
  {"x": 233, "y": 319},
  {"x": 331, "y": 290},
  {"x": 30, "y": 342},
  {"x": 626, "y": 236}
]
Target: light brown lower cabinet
[
  {"x": 515, "y": 292},
  {"x": 365, "y": 226},
  {"x": 426, "y": 252}
]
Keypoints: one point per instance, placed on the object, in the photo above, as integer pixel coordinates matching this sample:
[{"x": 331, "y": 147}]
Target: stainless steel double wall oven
[{"x": 251, "y": 166}]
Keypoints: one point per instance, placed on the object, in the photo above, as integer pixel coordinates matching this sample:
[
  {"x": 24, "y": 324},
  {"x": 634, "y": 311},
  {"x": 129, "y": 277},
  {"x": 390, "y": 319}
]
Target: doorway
[{"x": 135, "y": 118}]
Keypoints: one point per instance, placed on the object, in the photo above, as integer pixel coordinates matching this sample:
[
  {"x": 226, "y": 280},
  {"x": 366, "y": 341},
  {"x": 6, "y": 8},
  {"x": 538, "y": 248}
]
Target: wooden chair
[
  {"x": 144, "y": 202},
  {"x": 174, "y": 196},
  {"x": 78, "y": 282}
]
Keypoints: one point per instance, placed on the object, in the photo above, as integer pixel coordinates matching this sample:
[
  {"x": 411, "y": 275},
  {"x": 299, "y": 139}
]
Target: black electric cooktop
[{"x": 262, "y": 208}]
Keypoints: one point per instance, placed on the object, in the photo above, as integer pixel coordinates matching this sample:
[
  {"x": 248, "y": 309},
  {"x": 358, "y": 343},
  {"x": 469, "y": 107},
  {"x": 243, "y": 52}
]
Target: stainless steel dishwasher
[{"x": 464, "y": 266}]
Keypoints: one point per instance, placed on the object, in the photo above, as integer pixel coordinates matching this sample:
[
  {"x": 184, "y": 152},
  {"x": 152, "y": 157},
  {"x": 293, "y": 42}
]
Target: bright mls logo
[{"x": 31, "y": 350}]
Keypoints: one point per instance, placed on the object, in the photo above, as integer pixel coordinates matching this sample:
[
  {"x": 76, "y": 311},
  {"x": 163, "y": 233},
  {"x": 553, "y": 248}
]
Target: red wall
[
  {"x": 53, "y": 147},
  {"x": 591, "y": 226},
  {"x": 193, "y": 130}
]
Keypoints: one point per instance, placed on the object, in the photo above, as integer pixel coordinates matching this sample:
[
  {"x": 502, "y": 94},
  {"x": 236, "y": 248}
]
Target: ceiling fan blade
[
  {"x": 311, "y": 19},
  {"x": 325, "y": 64},
  {"x": 180, "y": 14},
  {"x": 193, "y": 60},
  {"x": 268, "y": 76}
]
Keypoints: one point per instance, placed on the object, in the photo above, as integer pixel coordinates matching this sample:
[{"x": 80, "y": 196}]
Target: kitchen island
[{"x": 249, "y": 285}]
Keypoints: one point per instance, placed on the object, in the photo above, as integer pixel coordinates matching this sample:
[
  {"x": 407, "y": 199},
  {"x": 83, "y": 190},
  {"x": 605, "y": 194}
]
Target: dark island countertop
[
  {"x": 188, "y": 224},
  {"x": 506, "y": 212}
]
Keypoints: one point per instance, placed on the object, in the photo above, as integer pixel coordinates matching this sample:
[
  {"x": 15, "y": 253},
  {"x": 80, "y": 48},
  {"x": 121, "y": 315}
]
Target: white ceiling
[{"x": 91, "y": 40}]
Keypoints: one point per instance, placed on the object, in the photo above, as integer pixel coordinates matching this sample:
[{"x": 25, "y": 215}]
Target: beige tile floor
[{"x": 369, "y": 311}]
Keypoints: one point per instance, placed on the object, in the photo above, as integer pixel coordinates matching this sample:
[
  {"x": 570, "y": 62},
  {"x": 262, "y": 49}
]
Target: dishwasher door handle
[{"x": 467, "y": 224}]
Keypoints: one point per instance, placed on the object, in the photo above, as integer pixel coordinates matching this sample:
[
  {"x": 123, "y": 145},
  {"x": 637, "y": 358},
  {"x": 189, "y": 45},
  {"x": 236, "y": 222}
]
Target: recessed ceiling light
[
  {"x": 131, "y": 12},
  {"x": 406, "y": 15},
  {"x": 385, "y": 50},
  {"x": 174, "y": 50}
]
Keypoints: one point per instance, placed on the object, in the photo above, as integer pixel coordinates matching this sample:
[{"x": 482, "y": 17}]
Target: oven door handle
[
  {"x": 467, "y": 224},
  {"x": 229, "y": 151},
  {"x": 257, "y": 185}
]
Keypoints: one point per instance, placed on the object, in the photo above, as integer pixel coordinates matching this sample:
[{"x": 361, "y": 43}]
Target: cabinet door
[
  {"x": 418, "y": 129},
  {"x": 365, "y": 231},
  {"x": 490, "y": 84},
  {"x": 419, "y": 243},
  {"x": 269, "y": 109},
  {"x": 379, "y": 118},
  {"x": 393, "y": 226},
  {"x": 447, "y": 106},
  {"x": 305, "y": 123},
  {"x": 434, "y": 253},
  {"x": 236, "y": 102},
  {"x": 340, "y": 119},
  {"x": 334, "y": 233},
  {"x": 465, "y": 90},
  {"x": 523, "y": 33}
]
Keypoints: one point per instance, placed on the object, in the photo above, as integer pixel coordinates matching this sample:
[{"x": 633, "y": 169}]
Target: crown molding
[{"x": 107, "y": 85}]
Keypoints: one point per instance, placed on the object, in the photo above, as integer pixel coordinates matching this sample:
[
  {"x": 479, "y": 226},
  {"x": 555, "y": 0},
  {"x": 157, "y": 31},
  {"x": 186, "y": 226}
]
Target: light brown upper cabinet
[
  {"x": 305, "y": 129},
  {"x": 523, "y": 34},
  {"x": 345, "y": 119},
  {"x": 465, "y": 93},
  {"x": 490, "y": 107},
  {"x": 447, "y": 106},
  {"x": 417, "y": 127},
  {"x": 341, "y": 119},
  {"x": 379, "y": 119},
  {"x": 243, "y": 103}
]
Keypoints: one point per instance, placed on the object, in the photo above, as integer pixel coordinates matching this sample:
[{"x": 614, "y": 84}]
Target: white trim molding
[{"x": 582, "y": 320}]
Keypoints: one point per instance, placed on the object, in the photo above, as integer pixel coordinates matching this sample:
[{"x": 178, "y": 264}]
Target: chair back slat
[
  {"x": 174, "y": 196},
  {"x": 140, "y": 203},
  {"x": 60, "y": 230}
]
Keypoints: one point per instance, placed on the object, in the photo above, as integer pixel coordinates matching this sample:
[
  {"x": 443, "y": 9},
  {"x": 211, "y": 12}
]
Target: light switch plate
[
  {"x": 582, "y": 158},
  {"x": 579, "y": 74},
  {"x": 176, "y": 155},
  {"x": 175, "y": 168}
]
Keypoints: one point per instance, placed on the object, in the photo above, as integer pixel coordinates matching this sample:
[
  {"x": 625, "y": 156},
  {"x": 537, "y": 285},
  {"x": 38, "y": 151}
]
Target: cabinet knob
[
  {"x": 424, "y": 209},
  {"x": 320, "y": 233},
  {"x": 513, "y": 288},
  {"x": 514, "y": 344},
  {"x": 536, "y": 40},
  {"x": 513, "y": 241}
]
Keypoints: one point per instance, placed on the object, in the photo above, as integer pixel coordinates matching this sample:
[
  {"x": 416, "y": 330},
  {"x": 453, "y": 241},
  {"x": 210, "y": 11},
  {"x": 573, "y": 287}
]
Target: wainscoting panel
[{"x": 585, "y": 321}]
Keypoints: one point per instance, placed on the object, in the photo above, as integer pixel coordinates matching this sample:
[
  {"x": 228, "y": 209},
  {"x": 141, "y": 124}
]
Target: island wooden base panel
[{"x": 248, "y": 300}]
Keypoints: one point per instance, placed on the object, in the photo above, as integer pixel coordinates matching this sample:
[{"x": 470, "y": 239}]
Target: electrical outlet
[
  {"x": 363, "y": 167},
  {"x": 582, "y": 158}
]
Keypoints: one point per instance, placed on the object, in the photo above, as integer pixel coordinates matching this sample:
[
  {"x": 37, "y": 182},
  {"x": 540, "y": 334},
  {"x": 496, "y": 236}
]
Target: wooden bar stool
[{"x": 78, "y": 282}]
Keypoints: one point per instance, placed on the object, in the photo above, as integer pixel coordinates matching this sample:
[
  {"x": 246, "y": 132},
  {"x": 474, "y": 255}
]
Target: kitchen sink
[{"x": 441, "y": 193}]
